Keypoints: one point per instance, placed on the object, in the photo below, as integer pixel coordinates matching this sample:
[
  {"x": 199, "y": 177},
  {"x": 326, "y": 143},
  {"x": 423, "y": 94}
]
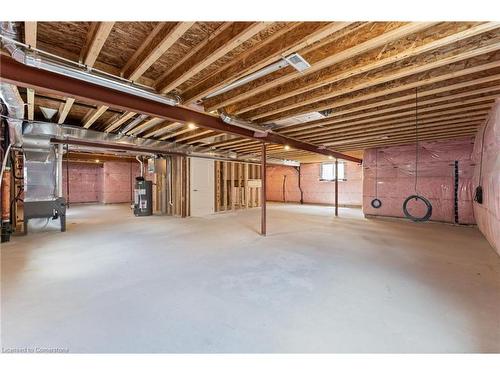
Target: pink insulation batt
[
  {"x": 395, "y": 171},
  {"x": 487, "y": 214},
  {"x": 314, "y": 190}
]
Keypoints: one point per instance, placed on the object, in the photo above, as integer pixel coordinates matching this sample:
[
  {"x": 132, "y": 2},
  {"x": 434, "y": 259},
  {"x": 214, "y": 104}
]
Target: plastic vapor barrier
[
  {"x": 487, "y": 174},
  {"x": 389, "y": 175}
]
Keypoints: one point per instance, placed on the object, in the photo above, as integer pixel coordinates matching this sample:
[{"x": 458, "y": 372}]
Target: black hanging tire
[
  {"x": 427, "y": 215},
  {"x": 376, "y": 203}
]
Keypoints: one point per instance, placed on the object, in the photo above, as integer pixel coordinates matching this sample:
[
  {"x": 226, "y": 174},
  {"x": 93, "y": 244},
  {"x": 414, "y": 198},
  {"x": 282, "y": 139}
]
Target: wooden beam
[
  {"x": 26, "y": 76},
  {"x": 200, "y": 137},
  {"x": 93, "y": 115},
  {"x": 352, "y": 107},
  {"x": 367, "y": 118},
  {"x": 414, "y": 45},
  {"x": 30, "y": 95},
  {"x": 377, "y": 34},
  {"x": 161, "y": 129},
  {"x": 97, "y": 37},
  {"x": 452, "y": 72},
  {"x": 347, "y": 138},
  {"x": 302, "y": 103},
  {"x": 341, "y": 135},
  {"x": 64, "y": 109},
  {"x": 165, "y": 38},
  {"x": 30, "y": 33},
  {"x": 389, "y": 107},
  {"x": 192, "y": 52},
  {"x": 121, "y": 120},
  {"x": 410, "y": 139},
  {"x": 194, "y": 133},
  {"x": 177, "y": 133},
  {"x": 270, "y": 51},
  {"x": 227, "y": 41},
  {"x": 148, "y": 124}
]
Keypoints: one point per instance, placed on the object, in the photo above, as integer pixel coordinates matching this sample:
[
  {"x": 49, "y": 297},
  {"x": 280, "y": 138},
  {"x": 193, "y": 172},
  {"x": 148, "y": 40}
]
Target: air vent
[
  {"x": 326, "y": 112},
  {"x": 48, "y": 113},
  {"x": 298, "y": 62}
]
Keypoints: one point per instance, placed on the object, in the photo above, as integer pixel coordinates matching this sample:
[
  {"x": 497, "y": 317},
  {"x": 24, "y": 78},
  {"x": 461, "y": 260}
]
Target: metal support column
[
  {"x": 336, "y": 187},
  {"x": 263, "y": 190}
]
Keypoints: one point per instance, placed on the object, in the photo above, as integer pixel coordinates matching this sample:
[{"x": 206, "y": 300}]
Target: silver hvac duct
[
  {"x": 259, "y": 130},
  {"x": 251, "y": 77},
  {"x": 41, "y": 132},
  {"x": 42, "y": 60},
  {"x": 9, "y": 93}
]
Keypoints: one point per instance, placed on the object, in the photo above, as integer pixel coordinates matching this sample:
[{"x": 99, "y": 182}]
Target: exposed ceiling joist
[
  {"x": 26, "y": 76},
  {"x": 338, "y": 52},
  {"x": 93, "y": 115},
  {"x": 371, "y": 60},
  {"x": 119, "y": 121},
  {"x": 160, "y": 43},
  {"x": 96, "y": 39},
  {"x": 283, "y": 44},
  {"x": 64, "y": 109},
  {"x": 226, "y": 41}
]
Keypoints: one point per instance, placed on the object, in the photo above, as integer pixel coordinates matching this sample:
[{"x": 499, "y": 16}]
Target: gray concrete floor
[{"x": 116, "y": 283}]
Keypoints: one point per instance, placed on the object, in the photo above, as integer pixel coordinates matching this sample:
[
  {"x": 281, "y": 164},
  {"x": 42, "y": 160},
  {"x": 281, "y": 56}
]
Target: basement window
[{"x": 327, "y": 172}]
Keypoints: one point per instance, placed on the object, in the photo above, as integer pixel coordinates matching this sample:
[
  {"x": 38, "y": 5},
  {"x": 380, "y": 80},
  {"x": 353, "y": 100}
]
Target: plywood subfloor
[{"x": 116, "y": 283}]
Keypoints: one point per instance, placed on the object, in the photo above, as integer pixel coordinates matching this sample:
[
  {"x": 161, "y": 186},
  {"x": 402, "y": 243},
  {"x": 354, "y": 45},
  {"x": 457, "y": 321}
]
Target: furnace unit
[{"x": 143, "y": 197}]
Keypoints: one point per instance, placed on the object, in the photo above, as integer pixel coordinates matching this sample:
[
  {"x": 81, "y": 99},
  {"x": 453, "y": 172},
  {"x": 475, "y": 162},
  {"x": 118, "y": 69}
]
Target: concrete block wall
[{"x": 314, "y": 190}]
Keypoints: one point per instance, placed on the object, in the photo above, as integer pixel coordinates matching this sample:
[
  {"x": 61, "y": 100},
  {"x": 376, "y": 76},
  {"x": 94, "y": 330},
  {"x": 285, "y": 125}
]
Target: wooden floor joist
[{"x": 358, "y": 91}]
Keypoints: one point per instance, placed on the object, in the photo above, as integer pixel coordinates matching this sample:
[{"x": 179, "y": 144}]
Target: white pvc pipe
[{"x": 60, "y": 170}]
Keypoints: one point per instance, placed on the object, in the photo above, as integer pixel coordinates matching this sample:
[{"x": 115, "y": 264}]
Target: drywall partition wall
[
  {"x": 85, "y": 182},
  {"x": 487, "y": 174},
  {"x": 393, "y": 168},
  {"x": 283, "y": 185}
]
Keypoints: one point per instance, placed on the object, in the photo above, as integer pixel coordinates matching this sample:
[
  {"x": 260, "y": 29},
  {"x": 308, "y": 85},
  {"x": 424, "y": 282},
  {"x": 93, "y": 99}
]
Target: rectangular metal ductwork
[{"x": 40, "y": 172}]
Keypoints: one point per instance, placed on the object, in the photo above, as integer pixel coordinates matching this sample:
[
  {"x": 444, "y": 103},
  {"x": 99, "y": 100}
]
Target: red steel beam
[
  {"x": 263, "y": 229},
  {"x": 22, "y": 75}
]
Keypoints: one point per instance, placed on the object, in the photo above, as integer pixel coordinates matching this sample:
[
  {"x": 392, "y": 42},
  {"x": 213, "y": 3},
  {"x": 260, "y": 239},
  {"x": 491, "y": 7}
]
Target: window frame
[{"x": 341, "y": 169}]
